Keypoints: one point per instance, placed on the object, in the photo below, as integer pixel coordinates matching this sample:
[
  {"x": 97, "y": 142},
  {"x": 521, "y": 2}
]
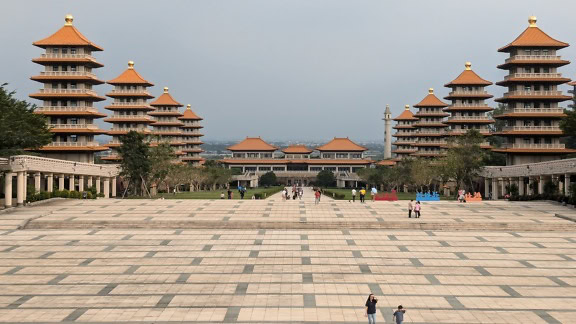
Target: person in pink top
[{"x": 417, "y": 208}]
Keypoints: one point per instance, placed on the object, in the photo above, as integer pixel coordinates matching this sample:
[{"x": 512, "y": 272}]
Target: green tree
[
  {"x": 135, "y": 163},
  {"x": 497, "y": 126},
  {"x": 423, "y": 172},
  {"x": 372, "y": 176},
  {"x": 464, "y": 159},
  {"x": 325, "y": 178},
  {"x": 268, "y": 179},
  {"x": 162, "y": 159},
  {"x": 20, "y": 127},
  {"x": 568, "y": 126}
]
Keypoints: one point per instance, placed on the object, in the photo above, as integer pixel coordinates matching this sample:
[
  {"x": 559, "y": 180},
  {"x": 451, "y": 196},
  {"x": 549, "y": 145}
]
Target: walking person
[
  {"x": 353, "y": 194},
  {"x": 417, "y": 209},
  {"x": 229, "y": 193},
  {"x": 316, "y": 196},
  {"x": 398, "y": 315},
  {"x": 362, "y": 195},
  {"x": 371, "y": 309},
  {"x": 410, "y": 207},
  {"x": 374, "y": 192}
]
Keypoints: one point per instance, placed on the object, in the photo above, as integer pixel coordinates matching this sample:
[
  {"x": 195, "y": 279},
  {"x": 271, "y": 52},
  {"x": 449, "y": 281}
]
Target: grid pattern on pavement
[{"x": 281, "y": 276}]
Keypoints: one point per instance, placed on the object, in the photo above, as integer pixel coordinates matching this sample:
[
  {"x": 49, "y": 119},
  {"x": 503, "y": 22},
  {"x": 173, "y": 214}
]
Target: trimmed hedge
[{"x": 332, "y": 194}]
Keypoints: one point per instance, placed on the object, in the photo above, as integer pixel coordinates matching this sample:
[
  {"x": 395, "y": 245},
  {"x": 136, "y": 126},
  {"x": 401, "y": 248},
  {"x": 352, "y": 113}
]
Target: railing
[
  {"x": 533, "y": 75},
  {"x": 423, "y": 122},
  {"x": 464, "y": 131},
  {"x": 467, "y": 93},
  {"x": 129, "y": 91},
  {"x": 430, "y": 142},
  {"x": 132, "y": 117},
  {"x": 469, "y": 118},
  {"x": 143, "y": 103},
  {"x": 533, "y": 110},
  {"x": 68, "y": 73},
  {"x": 69, "y": 91},
  {"x": 533, "y": 93},
  {"x": 533, "y": 58},
  {"x": 73, "y": 144},
  {"x": 40, "y": 164},
  {"x": 534, "y": 146},
  {"x": 434, "y": 113},
  {"x": 532, "y": 128},
  {"x": 458, "y": 105},
  {"x": 66, "y": 108},
  {"x": 68, "y": 56},
  {"x": 74, "y": 126},
  {"x": 429, "y": 132}
]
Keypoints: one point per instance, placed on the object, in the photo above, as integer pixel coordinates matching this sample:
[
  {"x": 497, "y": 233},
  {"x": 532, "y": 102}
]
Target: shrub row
[
  {"x": 267, "y": 192},
  {"x": 332, "y": 194},
  {"x": 43, "y": 195},
  {"x": 555, "y": 197}
]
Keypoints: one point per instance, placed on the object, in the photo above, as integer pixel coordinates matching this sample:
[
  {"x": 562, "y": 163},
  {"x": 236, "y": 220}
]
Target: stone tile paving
[{"x": 99, "y": 272}]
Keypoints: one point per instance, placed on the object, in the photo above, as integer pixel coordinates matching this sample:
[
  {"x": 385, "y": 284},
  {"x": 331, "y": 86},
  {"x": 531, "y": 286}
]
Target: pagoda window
[
  {"x": 527, "y": 88},
  {"x": 74, "y": 103},
  {"x": 537, "y": 122},
  {"x": 536, "y": 52},
  {"x": 546, "y": 105},
  {"x": 73, "y": 50},
  {"x": 545, "y": 52},
  {"x": 73, "y": 138},
  {"x": 54, "y": 103},
  {"x": 54, "y": 120},
  {"x": 55, "y": 50},
  {"x": 64, "y": 50},
  {"x": 341, "y": 155},
  {"x": 547, "y": 122},
  {"x": 252, "y": 155},
  {"x": 55, "y": 85},
  {"x": 527, "y": 105},
  {"x": 73, "y": 68},
  {"x": 546, "y": 87},
  {"x": 73, "y": 85},
  {"x": 55, "y": 68},
  {"x": 545, "y": 70},
  {"x": 356, "y": 156},
  {"x": 547, "y": 140},
  {"x": 528, "y": 52}
]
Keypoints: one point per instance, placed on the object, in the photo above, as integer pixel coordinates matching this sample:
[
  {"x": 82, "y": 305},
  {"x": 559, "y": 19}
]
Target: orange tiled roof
[
  {"x": 252, "y": 144},
  {"x": 431, "y": 101},
  {"x": 68, "y": 35},
  {"x": 341, "y": 144},
  {"x": 533, "y": 36},
  {"x": 386, "y": 163},
  {"x": 189, "y": 114},
  {"x": 468, "y": 77},
  {"x": 165, "y": 99},
  {"x": 573, "y": 83},
  {"x": 130, "y": 76},
  {"x": 406, "y": 114},
  {"x": 297, "y": 149}
]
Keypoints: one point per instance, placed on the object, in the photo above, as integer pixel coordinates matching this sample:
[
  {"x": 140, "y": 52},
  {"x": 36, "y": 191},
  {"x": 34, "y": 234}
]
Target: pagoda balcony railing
[
  {"x": 430, "y": 114},
  {"x": 192, "y": 133},
  {"x": 429, "y": 131},
  {"x": 404, "y": 142},
  {"x": 127, "y": 129},
  {"x": 533, "y": 76},
  {"x": 131, "y": 117},
  {"x": 130, "y": 91},
  {"x": 66, "y": 108},
  {"x": 113, "y": 142},
  {"x": 534, "y": 146},
  {"x": 74, "y": 126},
  {"x": 68, "y": 73},
  {"x": 427, "y": 122},
  {"x": 533, "y": 110},
  {"x": 69, "y": 91},
  {"x": 431, "y": 142},
  {"x": 533, "y": 58},
  {"x": 68, "y": 56},
  {"x": 532, "y": 128},
  {"x": 469, "y": 118},
  {"x": 571, "y": 91},
  {"x": 458, "y": 105},
  {"x": 532, "y": 93},
  {"x": 464, "y": 131},
  {"x": 405, "y": 150},
  {"x": 73, "y": 144},
  {"x": 467, "y": 92},
  {"x": 143, "y": 103}
]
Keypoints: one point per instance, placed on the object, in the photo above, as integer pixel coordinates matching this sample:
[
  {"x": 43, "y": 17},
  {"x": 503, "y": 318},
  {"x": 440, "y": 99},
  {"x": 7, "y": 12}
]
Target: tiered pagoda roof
[
  {"x": 253, "y": 144},
  {"x": 297, "y": 149},
  {"x": 341, "y": 144}
]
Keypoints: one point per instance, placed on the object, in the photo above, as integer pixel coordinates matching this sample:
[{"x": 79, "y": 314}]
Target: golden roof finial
[
  {"x": 532, "y": 21},
  {"x": 431, "y": 91},
  {"x": 468, "y": 65},
  {"x": 165, "y": 89},
  {"x": 407, "y": 107},
  {"x": 188, "y": 107},
  {"x": 130, "y": 64},
  {"x": 68, "y": 19}
]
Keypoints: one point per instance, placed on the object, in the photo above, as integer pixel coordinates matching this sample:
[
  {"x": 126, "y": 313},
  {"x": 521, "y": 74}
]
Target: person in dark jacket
[{"x": 371, "y": 309}]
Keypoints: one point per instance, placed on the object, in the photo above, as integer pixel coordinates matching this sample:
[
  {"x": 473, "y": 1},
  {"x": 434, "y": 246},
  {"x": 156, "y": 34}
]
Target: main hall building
[{"x": 297, "y": 163}]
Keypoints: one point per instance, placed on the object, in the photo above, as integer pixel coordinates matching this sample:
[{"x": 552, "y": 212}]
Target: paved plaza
[{"x": 274, "y": 261}]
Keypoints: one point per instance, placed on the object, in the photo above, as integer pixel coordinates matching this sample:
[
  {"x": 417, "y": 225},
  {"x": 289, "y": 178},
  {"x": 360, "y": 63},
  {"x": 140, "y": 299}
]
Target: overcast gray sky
[{"x": 286, "y": 69}]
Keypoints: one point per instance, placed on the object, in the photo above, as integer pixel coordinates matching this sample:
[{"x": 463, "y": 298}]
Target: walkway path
[{"x": 73, "y": 263}]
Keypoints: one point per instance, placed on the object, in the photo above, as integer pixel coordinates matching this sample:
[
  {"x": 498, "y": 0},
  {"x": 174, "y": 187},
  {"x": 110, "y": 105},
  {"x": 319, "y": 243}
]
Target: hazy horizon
[{"x": 286, "y": 70}]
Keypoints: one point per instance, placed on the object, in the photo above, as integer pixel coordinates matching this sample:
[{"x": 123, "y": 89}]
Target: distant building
[
  {"x": 405, "y": 134},
  {"x": 430, "y": 127},
  {"x": 254, "y": 157},
  {"x": 468, "y": 108},
  {"x": 129, "y": 108},
  {"x": 191, "y": 137},
  {"x": 67, "y": 96},
  {"x": 167, "y": 126},
  {"x": 532, "y": 113}
]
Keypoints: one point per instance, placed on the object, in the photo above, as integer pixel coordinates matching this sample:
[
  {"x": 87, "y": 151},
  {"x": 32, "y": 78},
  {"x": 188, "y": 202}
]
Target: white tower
[{"x": 387, "y": 133}]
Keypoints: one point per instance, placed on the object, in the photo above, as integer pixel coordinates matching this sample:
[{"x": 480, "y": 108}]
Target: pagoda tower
[
  {"x": 191, "y": 137},
  {"x": 166, "y": 126},
  {"x": 67, "y": 96},
  {"x": 468, "y": 108},
  {"x": 430, "y": 126},
  {"x": 532, "y": 115},
  {"x": 405, "y": 132},
  {"x": 129, "y": 108}
]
